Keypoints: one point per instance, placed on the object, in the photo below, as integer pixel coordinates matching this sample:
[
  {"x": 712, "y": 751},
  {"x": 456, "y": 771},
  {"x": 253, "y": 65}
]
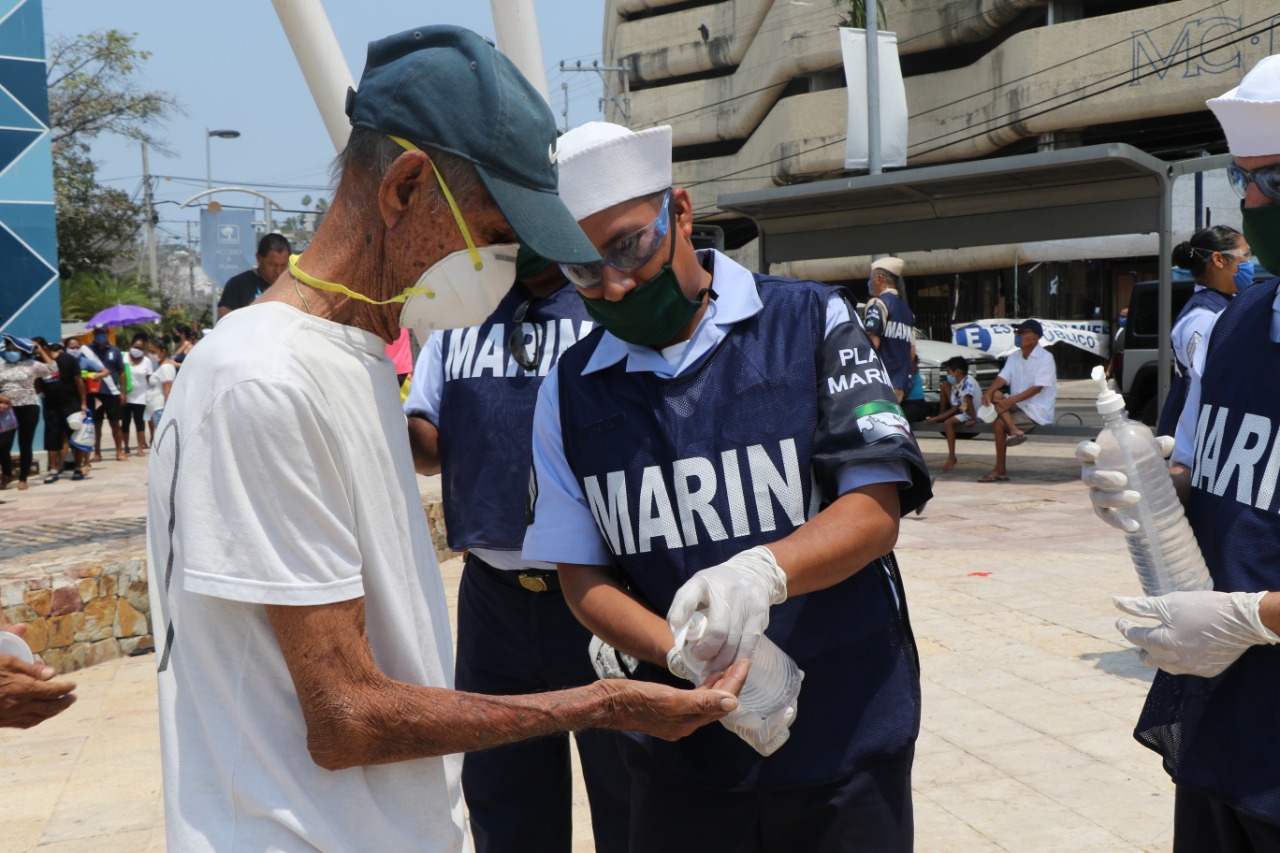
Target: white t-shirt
[
  {"x": 1037, "y": 369},
  {"x": 155, "y": 386},
  {"x": 284, "y": 452},
  {"x": 139, "y": 372}
]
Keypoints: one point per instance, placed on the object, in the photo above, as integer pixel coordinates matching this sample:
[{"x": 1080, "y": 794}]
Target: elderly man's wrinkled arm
[{"x": 357, "y": 715}]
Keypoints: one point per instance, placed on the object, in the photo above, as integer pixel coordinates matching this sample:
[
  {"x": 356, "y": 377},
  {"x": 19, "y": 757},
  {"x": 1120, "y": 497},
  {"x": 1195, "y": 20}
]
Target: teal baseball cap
[{"x": 449, "y": 88}]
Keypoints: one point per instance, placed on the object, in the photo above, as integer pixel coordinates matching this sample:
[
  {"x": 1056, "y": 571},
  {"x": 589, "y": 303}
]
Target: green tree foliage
[
  {"x": 92, "y": 91},
  {"x": 87, "y": 293}
]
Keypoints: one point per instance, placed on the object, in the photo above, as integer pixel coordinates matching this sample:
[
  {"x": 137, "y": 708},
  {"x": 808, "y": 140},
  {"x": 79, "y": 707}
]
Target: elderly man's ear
[{"x": 407, "y": 182}]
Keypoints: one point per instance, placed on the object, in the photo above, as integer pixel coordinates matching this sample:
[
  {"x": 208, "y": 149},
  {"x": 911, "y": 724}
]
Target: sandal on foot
[
  {"x": 78, "y": 475},
  {"x": 51, "y": 478},
  {"x": 949, "y": 466},
  {"x": 993, "y": 477},
  {"x": 1015, "y": 440}
]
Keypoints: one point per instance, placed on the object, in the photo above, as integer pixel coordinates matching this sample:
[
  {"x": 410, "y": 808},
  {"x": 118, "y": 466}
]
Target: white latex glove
[
  {"x": 677, "y": 667},
  {"x": 1200, "y": 633},
  {"x": 765, "y": 736},
  {"x": 735, "y": 596},
  {"x": 608, "y": 661},
  {"x": 1107, "y": 486}
]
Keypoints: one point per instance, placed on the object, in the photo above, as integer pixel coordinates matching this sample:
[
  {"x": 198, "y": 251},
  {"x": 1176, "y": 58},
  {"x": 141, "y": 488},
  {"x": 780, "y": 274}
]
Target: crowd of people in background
[{"x": 73, "y": 383}]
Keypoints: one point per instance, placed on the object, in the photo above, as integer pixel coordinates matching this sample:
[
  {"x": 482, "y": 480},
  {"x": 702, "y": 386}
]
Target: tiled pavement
[{"x": 1029, "y": 693}]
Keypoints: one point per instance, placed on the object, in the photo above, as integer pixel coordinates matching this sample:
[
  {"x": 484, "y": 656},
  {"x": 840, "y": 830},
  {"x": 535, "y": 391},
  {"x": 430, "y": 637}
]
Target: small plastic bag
[{"x": 8, "y": 420}]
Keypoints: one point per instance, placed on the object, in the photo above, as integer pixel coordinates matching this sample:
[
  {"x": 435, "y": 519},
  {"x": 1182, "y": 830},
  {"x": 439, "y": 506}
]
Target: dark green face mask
[
  {"x": 1262, "y": 230},
  {"x": 653, "y": 313}
]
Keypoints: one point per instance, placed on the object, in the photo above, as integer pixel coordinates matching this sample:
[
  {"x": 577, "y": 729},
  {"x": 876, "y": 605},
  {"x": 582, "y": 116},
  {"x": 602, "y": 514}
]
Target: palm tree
[{"x": 85, "y": 294}]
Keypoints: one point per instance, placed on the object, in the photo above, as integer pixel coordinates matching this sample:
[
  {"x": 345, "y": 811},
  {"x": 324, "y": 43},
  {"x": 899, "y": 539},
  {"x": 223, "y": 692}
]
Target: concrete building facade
[{"x": 755, "y": 93}]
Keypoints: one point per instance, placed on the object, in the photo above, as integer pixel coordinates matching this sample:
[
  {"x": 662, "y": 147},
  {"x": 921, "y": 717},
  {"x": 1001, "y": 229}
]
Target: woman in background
[{"x": 1222, "y": 263}]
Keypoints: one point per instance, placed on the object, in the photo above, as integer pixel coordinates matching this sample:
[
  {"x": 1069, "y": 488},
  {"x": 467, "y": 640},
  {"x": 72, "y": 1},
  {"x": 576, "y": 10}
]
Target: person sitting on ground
[
  {"x": 1031, "y": 377},
  {"x": 962, "y": 410}
]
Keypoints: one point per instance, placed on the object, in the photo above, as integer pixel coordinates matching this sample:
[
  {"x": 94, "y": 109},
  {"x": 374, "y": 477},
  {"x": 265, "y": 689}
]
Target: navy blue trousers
[
  {"x": 868, "y": 812},
  {"x": 1203, "y": 824},
  {"x": 512, "y": 641}
]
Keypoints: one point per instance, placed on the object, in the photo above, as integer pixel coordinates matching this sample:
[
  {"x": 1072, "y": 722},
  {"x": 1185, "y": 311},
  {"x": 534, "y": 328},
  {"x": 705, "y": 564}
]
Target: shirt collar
[{"x": 736, "y": 299}]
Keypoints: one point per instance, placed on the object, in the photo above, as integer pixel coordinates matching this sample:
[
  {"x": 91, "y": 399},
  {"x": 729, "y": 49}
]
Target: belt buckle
[{"x": 533, "y": 583}]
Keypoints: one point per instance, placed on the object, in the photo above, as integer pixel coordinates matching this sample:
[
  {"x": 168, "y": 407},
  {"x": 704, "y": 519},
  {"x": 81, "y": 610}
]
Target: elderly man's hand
[
  {"x": 668, "y": 713},
  {"x": 27, "y": 696}
]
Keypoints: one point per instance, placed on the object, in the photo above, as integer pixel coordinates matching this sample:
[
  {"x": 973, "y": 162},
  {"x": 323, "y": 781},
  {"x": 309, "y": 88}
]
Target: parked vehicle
[{"x": 1135, "y": 369}]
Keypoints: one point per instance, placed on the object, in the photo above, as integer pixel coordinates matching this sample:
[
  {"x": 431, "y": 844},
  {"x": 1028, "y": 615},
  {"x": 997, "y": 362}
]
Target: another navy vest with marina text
[{"x": 486, "y": 416}]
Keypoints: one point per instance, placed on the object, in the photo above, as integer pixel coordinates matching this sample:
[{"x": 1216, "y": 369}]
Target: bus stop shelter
[{"x": 1093, "y": 191}]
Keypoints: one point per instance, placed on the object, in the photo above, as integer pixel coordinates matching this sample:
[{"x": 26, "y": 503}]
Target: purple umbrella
[{"x": 123, "y": 315}]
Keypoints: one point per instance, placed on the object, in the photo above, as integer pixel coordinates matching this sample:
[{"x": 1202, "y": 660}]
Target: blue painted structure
[{"x": 30, "y": 298}]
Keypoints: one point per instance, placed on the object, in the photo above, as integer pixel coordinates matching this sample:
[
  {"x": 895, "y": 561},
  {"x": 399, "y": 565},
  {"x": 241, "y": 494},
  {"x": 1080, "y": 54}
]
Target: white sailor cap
[
  {"x": 1250, "y": 113},
  {"x": 603, "y": 164}
]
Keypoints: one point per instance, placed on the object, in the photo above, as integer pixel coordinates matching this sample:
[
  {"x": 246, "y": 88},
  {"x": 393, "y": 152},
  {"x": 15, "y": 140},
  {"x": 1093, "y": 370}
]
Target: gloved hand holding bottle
[{"x": 735, "y": 596}]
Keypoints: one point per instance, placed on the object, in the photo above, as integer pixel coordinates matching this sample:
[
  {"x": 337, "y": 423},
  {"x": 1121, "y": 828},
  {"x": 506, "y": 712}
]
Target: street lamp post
[
  {"x": 208, "y": 180},
  {"x": 208, "y": 158}
]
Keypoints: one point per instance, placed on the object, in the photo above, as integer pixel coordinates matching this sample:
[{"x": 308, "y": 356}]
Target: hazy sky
[{"x": 230, "y": 66}]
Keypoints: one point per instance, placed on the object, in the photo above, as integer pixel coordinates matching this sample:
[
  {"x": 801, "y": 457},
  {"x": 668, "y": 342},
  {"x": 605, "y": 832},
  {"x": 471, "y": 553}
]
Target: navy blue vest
[
  {"x": 684, "y": 473},
  {"x": 1205, "y": 299},
  {"x": 486, "y": 416},
  {"x": 1216, "y": 733},
  {"x": 896, "y": 338}
]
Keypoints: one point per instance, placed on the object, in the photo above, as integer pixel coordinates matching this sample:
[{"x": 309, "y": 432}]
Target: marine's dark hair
[
  {"x": 1195, "y": 253},
  {"x": 273, "y": 242}
]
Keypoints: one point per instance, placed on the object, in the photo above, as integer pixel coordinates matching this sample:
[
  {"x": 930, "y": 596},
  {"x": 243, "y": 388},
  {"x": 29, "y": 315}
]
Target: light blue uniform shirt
[
  {"x": 1184, "y": 445},
  {"x": 564, "y": 530}
]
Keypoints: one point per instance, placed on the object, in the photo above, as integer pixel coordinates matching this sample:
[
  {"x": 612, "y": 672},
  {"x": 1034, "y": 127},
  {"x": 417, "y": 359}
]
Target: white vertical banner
[{"x": 893, "y": 100}]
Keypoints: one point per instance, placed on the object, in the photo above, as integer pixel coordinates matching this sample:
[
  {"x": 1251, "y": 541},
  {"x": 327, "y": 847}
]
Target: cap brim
[{"x": 540, "y": 220}]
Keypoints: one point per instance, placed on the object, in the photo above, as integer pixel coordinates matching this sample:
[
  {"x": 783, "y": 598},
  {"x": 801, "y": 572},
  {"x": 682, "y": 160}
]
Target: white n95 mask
[
  {"x": 461, "y": 289},
  {"x": 453, "y": 294}
]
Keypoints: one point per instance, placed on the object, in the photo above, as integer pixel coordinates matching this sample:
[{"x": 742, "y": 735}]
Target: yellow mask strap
[
  {"x": 333, "y": 287},
  {"x": 453, "y": 205}
]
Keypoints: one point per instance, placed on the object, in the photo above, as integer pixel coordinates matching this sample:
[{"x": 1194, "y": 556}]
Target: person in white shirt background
[{"x": 1031, "y": 377}]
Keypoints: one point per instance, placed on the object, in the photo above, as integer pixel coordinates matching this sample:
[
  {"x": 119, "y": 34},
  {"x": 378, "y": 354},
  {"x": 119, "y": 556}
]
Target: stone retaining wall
[
  {"x": 83, "y": 609},
  {"x": 83, "y": 614}
]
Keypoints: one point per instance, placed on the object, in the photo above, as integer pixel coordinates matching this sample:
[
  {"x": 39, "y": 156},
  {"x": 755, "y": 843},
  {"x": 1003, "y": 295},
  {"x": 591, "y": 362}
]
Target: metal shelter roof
[{"x": 1093, "y": 191}]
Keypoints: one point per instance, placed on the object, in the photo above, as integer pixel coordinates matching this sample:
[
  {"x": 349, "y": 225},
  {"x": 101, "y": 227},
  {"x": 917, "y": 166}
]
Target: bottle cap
[
  {"x": 1108, "y": 401},
  {"x": 12, "y": 644}
]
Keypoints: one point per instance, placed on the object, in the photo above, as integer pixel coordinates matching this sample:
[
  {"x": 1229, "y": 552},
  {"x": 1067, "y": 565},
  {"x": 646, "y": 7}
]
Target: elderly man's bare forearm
[
  {"x": 356, "y": 714},
  {"x": 397, "y": 722}
]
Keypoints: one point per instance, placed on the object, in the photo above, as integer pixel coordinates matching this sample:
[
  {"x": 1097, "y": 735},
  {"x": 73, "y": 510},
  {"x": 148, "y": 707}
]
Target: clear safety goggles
[
  {"x": 629, "y": 253},
  {"x": 1267, "y": 180}
]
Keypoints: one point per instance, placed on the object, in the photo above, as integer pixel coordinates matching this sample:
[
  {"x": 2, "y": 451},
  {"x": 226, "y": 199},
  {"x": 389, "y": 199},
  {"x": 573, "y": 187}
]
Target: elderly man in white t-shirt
[
  {"x": 305, "y": 663},
  {"x": 1031, "y": 379}
]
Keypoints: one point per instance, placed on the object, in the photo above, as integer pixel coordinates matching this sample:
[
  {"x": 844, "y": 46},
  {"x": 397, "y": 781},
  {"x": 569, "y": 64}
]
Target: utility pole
[
  {"x": 873, "y": 89},
  {"x": 191, "y": 269},
  {"x": 151, "y": 219},
  {"x": 623, "y": 104},
  {"x": 564, "y": 87}
]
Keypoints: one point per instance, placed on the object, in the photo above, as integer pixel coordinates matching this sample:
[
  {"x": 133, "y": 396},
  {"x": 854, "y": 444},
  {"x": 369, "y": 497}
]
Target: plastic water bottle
[
  {"x": 772, "y": 683},
  {"x": 1163, "y": 548}
]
